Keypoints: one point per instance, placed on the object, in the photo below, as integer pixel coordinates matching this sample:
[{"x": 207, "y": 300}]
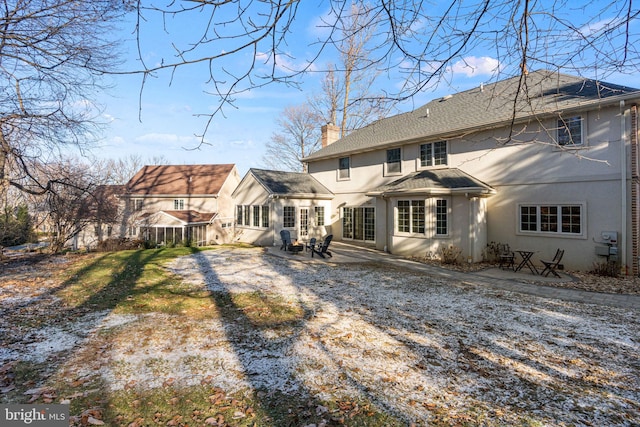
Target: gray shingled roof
[
  {"x": 436, "y": 181},
  {"x": 543, "y": 92},
  {"x": 289, "y": 183}
]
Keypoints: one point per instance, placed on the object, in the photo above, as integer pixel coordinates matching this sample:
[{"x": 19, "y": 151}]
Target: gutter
[{"x": 476, "y": 191}]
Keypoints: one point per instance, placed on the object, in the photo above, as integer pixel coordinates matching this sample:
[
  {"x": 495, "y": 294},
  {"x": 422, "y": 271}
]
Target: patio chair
[
  {"x": 310, "y": 245},
  {"x": 285, "y": 235},
  {"x": 507, "y": 258},
  {"x": 550, "y": 266},
  {"x": 322, "y": 248}
]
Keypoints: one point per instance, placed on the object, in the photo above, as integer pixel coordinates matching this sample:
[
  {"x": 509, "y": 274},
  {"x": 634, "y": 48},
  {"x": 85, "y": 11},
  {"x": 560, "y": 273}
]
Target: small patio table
[{"x": 526, "y": 260}]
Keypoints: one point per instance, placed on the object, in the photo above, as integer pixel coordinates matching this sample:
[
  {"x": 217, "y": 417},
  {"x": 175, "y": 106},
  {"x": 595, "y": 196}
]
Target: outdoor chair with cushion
[
  {"x": 322, "y": 248},
  {"x": 285, "y": 235},
  {"x": 550, "y": 266}
]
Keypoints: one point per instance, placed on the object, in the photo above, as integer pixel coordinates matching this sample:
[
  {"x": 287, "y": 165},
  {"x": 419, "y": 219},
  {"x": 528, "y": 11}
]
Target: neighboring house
[
  {"x": 541, "y": 163},
  {"x": 179, "y": 203},
  {"x": 270, "y": 201},
  {"x": 100, "y": 217}
]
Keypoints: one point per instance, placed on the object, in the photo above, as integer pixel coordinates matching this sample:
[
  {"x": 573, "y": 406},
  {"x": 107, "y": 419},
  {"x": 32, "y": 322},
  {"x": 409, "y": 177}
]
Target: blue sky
[{"x": 164, "y": 122}]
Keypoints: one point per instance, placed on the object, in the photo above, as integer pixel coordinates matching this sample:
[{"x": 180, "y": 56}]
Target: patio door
[
  {"x": 359, "y": 223},
  {"x": 304, "y": 223}
]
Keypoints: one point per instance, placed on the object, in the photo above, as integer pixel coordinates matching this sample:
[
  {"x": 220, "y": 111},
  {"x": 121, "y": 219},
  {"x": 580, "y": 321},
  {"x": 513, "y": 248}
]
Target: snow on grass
[{"x": 416, "y": 346}]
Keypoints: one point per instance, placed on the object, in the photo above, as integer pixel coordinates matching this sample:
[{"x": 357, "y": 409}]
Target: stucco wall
[{"x": 523, "y": 165}]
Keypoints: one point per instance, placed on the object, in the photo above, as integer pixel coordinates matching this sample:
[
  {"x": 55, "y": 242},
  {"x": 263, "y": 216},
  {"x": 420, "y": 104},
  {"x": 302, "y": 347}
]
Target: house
[
  {"x": 270, "y": 201},
  {"x": 541, "y": 162},
  {"x": 181, "y": 203},
  {"x": 99, "y": 216}
]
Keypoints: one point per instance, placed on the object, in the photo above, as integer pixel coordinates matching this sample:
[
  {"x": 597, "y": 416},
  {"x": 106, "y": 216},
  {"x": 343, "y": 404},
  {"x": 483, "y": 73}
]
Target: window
[
  {"x": 344, "y": 166},
  {"x": 265, "y": 216},
  {"x": 178, "y": 204},
  {"x": 570, "y": 131},
  {"x": 319, "y": 215},
  {"x": 359, "y": 223},
  {"x": 411, "y": 216},
  {"x": 137, "y": 204},
  {"x": 528, "y": 218},
  {"x": 393, "y": 165},
  {"x": 256, "y": 216},
  {"x": 289, "y": 217},
  {"x": 551, "y": 218},
  {"x": 239, "y": 214},
  {"x": 433, "y": 154},
  {"x": 369, "y": 224},
  {"x": 442, "y": 217},
  {"x": 247, "y": 214}
]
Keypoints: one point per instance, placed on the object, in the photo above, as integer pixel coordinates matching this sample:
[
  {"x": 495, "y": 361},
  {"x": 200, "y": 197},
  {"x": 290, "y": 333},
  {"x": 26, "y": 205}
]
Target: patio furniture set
[
  {"x": 318, "y": 248},
  {"x": 507, "y": 260}
]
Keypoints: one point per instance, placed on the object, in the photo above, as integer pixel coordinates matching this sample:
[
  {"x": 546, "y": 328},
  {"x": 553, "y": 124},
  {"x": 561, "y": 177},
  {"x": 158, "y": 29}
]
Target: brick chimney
[{"x": 330, "y": 134}]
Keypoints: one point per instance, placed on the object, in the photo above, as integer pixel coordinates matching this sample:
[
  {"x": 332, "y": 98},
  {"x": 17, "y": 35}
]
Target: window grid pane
[
  {"x": 528, "y": 218},
  {"x": 369, "y": 224},
  {"x": 570, "y": 131},
  {"x": 239, "y": 215},
  {"x": 256, "y": 216},
  {"x": 343, "y": 167},
  {"x": 417, "y": 216},
  {"x": 403, "y": 216},
  {"x": 347, "y": 223},
  {"x": 441, "y": 217},
  {"x": 425, "y": 155},
  {"x": 265, "y": 216},
  {"x": 289, "y": 217},
  {"x": 440, "y": 153},
  {"x": 319, "y": 216},
  {"x": 549, "y": 218},
  {"x": 571, "y": 219},
  {"x": 393, "y": 160},
  {"x": 247, "y": 214}
]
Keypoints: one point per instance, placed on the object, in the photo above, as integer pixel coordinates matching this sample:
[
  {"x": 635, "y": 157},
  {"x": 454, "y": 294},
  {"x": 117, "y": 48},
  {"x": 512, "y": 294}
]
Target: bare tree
[
  {"x": 299, "y": 136},
  {"x": 53, "y": 55},
  {"x": 417, "y": 43}
]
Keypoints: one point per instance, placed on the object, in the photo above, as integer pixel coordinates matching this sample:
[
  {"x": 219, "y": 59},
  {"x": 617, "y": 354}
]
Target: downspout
[
  {"x": 622, "y": 244},
  {"x": 635, "y": 255}
]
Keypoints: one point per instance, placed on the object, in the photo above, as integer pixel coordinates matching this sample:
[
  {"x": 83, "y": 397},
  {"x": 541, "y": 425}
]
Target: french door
[
  {"x": 359, "y": 223},
  {"x": 304, "y": 222}
]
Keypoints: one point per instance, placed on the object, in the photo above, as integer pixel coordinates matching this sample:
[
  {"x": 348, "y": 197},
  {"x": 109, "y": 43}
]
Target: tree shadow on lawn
[
  {"x": 261, "y": 330},
  {"x": 85, "y": 298},
  {"x": 527, "y": 364}
]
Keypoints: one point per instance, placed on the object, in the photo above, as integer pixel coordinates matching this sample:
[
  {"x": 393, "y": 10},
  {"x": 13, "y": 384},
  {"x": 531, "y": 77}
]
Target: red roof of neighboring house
[{"x": 179, "y": 179}]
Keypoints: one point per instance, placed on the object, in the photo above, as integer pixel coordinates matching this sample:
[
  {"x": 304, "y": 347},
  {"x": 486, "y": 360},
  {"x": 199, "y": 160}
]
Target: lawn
[{"x": 231, "y": 336}]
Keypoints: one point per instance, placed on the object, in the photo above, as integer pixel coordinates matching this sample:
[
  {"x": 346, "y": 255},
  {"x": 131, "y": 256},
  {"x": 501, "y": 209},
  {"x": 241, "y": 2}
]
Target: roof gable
[
  {"x": 498, "y": 104},
  {"x": 179, "y": 179}
]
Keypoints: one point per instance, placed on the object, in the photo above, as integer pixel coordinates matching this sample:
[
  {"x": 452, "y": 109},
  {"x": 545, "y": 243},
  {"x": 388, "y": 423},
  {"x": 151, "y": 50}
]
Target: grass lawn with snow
[{"x": 232, "y": 336}]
